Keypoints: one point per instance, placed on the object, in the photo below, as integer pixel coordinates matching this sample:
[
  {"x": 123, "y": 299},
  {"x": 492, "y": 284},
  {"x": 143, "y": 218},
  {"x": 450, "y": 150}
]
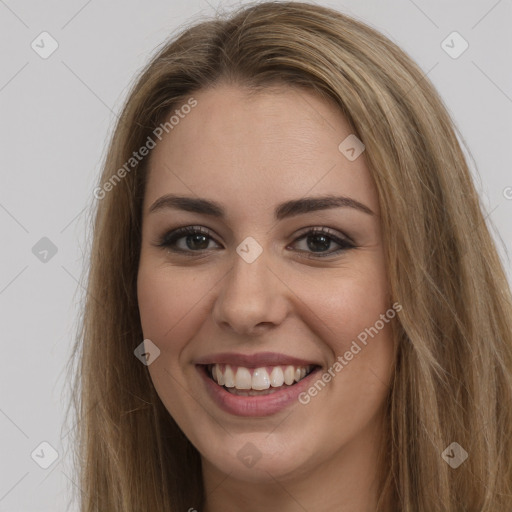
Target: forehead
[{"x": 257, "y": 149}]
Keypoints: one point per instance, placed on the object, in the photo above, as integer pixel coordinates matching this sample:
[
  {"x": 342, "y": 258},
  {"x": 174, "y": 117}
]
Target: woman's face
[{"x": 255, "y": 297}]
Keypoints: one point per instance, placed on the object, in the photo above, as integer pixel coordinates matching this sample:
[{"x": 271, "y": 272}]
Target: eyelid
[
  {"x": 303, "y": 231},
  {"x": 175, "y": 234},
  {"x": 328, "y": 231}
]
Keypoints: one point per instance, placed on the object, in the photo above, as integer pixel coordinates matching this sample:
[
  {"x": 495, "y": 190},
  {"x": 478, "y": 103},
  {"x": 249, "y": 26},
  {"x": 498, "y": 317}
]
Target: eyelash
[{"x": 170, "y": 238}]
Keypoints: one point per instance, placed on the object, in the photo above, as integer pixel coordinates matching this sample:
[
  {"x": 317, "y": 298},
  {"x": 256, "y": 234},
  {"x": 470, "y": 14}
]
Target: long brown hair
[{"x": 453, "y": 374}]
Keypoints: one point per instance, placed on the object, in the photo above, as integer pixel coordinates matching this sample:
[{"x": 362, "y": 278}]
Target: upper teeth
[{"x": 241, "y": 378}]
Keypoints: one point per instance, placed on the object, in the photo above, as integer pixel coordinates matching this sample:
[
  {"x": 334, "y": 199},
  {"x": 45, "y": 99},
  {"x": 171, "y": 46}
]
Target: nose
[{"x": 252, "y": 298}]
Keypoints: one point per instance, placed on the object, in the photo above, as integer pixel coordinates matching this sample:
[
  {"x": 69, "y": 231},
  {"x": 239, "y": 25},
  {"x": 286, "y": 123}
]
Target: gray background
[{"x": 56, "y": 117}]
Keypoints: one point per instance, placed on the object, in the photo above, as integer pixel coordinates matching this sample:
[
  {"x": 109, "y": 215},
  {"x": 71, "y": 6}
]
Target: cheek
[
  {"x": 167, "y": 300},
  {"x": 343, "y": 304},
  {"x": 170, "y": 306},
  {"x": 352, "y": 315}
]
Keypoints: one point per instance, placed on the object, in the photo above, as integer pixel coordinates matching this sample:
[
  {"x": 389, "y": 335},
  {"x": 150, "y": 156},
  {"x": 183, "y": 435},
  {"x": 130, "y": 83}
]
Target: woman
[{"x": 294, "y": 301}]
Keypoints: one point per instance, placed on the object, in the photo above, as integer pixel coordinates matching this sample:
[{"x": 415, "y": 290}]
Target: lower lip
[{"x": 263, "y": 405}]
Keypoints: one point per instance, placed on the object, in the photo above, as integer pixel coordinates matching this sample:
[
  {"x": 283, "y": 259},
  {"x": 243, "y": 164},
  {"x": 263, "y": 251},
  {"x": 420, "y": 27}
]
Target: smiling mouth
[{"x": 242, "y": 381}]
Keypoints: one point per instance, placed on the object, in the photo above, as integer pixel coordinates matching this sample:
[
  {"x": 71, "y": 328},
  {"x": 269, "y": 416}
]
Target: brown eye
[
  {"x": 195, "y": 239},
  {"x": 318, "y": 242}
]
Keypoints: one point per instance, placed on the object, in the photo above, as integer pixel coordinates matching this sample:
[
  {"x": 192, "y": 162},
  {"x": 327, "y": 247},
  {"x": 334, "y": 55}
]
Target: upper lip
[{"x": 254, "y": 360}]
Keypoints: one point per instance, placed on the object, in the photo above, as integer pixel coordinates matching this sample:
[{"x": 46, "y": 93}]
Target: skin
[{"x": 250, "y": 154}]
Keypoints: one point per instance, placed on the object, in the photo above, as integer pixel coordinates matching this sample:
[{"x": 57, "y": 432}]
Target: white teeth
[
  {"x": 218, "y": 376},
  {"x": 260, "y": 379},
  {"x": 243, "y": 378},
  {"x": 229, "y": 377},
  {"x": 289, "y": 375},
  {"x": 277, "y": 377}
]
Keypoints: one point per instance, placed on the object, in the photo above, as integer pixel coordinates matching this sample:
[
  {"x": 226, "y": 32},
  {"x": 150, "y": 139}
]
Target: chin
[{"x": 260, "y": 457}]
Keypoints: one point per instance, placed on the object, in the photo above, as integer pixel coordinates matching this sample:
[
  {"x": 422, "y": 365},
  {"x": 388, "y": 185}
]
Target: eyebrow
[{"x": 284, "y": 210}]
